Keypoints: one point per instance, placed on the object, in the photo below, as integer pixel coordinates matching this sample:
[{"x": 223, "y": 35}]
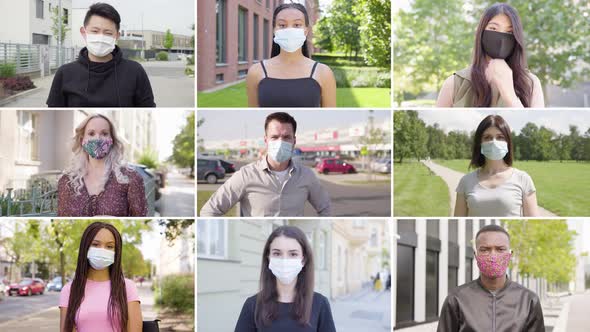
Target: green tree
[
  {"x": 322, "y": 35},
  {"x": 168, "y": 40},
  {"x": 149, "y": 158},
  {"x": 200, "y": 141},
  {"x": 183, "y": 151},
  {"x": 410, "y": 136},
  {"x": 55, "y": 24},
  {"x": 344, "y": 23},
  {"x": 375, "y": 31}
]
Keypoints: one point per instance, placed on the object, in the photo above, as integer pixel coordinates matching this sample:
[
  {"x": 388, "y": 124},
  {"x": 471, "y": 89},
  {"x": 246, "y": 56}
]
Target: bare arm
[
  {"x": 252, "y": 80},
  {"x": 62, "y": 319},
  {"x": 328, "y": 84},
  {"x": 135, "y": 321},
  {"x": 445, "y": 96},
  {"x": 460, "y": 206},
  {"x": 529, "y": 205},
  {"x": 537, "y": 100}
]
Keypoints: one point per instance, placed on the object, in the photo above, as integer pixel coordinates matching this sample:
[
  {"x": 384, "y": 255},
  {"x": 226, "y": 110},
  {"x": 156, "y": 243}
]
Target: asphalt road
[{"x": 13, "y": 307}]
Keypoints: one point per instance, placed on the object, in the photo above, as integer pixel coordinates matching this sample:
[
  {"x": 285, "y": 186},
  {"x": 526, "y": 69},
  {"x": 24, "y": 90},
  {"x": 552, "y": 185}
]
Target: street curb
[
  {"x": 17, "y": 96},
  {"x": 27, "y": 316}
]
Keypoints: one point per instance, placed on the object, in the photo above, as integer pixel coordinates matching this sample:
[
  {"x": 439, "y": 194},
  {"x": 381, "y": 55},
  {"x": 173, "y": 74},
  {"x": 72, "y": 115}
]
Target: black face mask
[{"x": 497, "y": 45}]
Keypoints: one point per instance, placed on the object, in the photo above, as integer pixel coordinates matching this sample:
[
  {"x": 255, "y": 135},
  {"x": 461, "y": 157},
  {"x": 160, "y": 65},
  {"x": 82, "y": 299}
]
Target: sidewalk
[
  {"x": 355, "y": 179},
  {"x": 452, "y": 178},
  {"x": 46, "y": 320},
  {"x": 365, "y": 310}
]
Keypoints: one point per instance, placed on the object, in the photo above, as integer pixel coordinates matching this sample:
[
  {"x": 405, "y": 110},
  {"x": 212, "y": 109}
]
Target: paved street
[
  {"x": 370, "y": 200},
  {"x": 365, "y": 310},
  {"x": 178, "y": 196},
  {"x": 13, "y": 307},
  {"x": 171, "y": 87}
]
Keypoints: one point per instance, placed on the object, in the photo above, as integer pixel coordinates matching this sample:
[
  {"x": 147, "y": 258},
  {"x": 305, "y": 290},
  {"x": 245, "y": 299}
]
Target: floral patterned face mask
[
  {"x": 97, "y": 148},
  {"x": 493, "y": 266}
]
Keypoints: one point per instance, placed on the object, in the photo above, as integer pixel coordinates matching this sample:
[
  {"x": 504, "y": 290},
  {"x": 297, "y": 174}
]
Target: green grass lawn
[
  {"x": 235, "y": 96},
  {"x": 203, "y": 196},
  {"x": 417, "y": 192},
  {"x": 562, "y": 188}
]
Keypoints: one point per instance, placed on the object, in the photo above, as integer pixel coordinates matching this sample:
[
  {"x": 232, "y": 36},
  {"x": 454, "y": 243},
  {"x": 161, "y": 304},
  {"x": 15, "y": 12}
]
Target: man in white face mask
[
  {"x": 274, "y": 185},
  {"x": 101, "y": 77}
]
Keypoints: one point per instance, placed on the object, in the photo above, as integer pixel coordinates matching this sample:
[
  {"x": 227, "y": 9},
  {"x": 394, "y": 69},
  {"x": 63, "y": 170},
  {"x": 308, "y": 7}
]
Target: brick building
[{"x": 234, "y": 34}]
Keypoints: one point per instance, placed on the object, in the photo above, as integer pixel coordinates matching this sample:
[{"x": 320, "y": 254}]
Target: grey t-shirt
[{"x": 506, "y": 200}]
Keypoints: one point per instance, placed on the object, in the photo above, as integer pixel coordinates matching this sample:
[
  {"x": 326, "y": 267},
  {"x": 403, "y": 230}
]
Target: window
[
  {"x": 267, "y": 4},
  {"x": 65, "y": 16},
  {"x": 220, "y": 31},
  {"x": 321, "y": 250},
  {"x": 242, "y": 73},
  {"x": 468, "y": 269},
  {"x": 255, "y": 39},
  {"x": 339, "y": 264},
  {"x": 405, "y": 285},
  {"x": 431, "y": 284},
  {"x": 219, "y": 78},
  {"x": 242, "y": 35},
  {"x": 39, "y": 7},
  {"x": 212, "y": 239},
  {"x": 28, "y": 145},
  {"x": 265, "y": 40}
]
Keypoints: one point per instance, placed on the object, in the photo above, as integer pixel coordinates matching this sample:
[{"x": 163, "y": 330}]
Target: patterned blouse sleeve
[
  {"x": 63, "y": 196},
  {"x": 136, "y": 196}
]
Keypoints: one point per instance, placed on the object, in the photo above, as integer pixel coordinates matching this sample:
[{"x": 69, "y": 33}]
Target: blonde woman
[{"x": 98, "y": 181}]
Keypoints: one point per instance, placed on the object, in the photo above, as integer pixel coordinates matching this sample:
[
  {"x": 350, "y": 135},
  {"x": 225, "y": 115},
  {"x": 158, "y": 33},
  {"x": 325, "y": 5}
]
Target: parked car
[
  {"x": 27, "y": 286},
  {"x": 228, "y": 167},
  {"x": 327, "y": 165},
  {"x": 382, "y": 165},
  {"x": 55, "y": 285},
  {"x": 151, "y": 187},
  {"x": 210, "y": 170}
]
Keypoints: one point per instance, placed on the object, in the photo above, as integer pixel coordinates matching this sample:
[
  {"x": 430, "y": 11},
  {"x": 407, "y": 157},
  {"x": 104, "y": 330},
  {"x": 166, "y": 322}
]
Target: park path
[{"x": 452, "y": 178}]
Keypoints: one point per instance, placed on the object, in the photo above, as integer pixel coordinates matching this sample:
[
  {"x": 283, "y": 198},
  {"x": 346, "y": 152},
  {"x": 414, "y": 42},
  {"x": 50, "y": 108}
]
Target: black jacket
[
  {"x": 470, "y": 308},
  {"x": 116, "y": 83}
]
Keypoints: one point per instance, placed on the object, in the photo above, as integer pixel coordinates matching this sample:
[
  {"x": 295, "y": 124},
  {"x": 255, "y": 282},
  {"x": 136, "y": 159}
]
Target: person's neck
[
  {"x": 286, "y": 292},
  {"x": 291, "y": 57},
  {"x": 96, "y": 165},
  {"x": 99, "y": 275},
  {"x": 493, "y": 284},
  {"x": 492, "y": 167},
  {"x": 95, "y": 58},
  {"x": 276, "y": 166}
]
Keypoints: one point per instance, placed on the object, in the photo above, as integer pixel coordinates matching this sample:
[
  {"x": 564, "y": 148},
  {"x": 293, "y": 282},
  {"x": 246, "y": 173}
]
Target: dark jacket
[
  {"x": 116, "y": 83},
  {"x": 470, "y": 307}
]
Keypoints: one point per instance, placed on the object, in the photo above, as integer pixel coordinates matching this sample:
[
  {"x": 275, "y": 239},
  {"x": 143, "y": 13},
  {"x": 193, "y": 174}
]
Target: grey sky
[
  {"x": 233, "y": 124},
  {"x": 467, "y": 120},
  {"x": 160, "y": 15}
]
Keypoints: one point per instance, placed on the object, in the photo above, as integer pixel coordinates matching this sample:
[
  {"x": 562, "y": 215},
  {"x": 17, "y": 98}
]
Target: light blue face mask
[
  {"x": 280, "y": 151},
  {"x": 494, "y": 150}
]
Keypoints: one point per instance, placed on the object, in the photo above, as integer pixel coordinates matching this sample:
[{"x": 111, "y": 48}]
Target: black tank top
[{"x": 290, "y": 92}]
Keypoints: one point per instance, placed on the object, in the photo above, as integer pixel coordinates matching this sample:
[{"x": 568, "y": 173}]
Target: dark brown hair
[
  {"x": 523, "y": 84},
  {"x": 281, "y": 117},
  {"x": 478, "y": 159},
  {"x": 267, "y": 305},
  {"x": 276, "y": 49},
  {"x": 117, "y": 310}
]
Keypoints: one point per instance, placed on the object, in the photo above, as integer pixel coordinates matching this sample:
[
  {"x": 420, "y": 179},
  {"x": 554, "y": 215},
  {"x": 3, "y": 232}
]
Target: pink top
[{"x": 93, "y": 312}]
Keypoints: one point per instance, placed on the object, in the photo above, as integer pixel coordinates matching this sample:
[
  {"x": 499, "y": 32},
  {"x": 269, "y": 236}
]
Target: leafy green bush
[
  {"x": 177, "y": 293},
  {"x": 189, "y": 71},
  {"x": 362, "y": 77},
  {"x": 7, "y": 70},
  {"x": 149, "y": 158},
  {"x": 162, "y": 56},
  {"x": 190, "y": 60}
]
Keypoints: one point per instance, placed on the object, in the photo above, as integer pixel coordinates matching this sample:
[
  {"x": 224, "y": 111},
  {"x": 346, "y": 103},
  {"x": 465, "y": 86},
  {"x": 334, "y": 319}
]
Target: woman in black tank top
[{"x": 290, "y": 78}]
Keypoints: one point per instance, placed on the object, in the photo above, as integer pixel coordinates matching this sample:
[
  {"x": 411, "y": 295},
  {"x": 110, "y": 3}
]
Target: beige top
[
  {"x": 261, "y": 194},
  {"x": 463, "y": 94}
]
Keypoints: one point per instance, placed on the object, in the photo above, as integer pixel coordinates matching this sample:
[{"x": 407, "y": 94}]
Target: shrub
[
  {"x": 177, "y": 293},
  {"x": 162, "y": 56},
  {"x": 361, "y": 77},
  {"x": 18, "y": 83},
  {"x": 7, "y": 70},
  {"x": 190, "y": 60},
  {"x": 189, "y": 71}
]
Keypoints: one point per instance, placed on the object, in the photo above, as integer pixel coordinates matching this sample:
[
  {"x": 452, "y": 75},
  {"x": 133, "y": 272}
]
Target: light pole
[{"x": 59, "y": 41}]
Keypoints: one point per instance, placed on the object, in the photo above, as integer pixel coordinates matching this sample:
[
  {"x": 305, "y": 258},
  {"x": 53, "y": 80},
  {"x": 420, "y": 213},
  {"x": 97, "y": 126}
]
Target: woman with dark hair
[
  {"x": 495, "y": 188},
  {"x": 290, "y": 78},
  {"x": 100, "y": 298},
  {"x": 498, "y": 75},
  {"x": 286, "y": 301}
]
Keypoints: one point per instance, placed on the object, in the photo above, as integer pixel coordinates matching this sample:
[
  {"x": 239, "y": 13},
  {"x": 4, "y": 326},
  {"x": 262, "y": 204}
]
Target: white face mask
[
  {"x": 494, "y": 150},
  {"x": 285, "y": 269},
  {"x": 290, "y": 39},
  {"x": 100, "y": 258},
  {"x": 279, "y": 150},
  {"x": 99, "y": 45}
]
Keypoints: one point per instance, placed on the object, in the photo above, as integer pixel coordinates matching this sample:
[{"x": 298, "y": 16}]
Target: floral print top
[{"x": 117, "y": 199}]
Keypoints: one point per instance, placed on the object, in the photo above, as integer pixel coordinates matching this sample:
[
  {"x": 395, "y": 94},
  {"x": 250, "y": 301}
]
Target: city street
[
  {"x": 171, "y": 87},
  {"x": 368, "y": 200},
  {"x": 16, "y": 307},
  {"x": 178, "y": 196},
  {"x": 365, "y": 310}
]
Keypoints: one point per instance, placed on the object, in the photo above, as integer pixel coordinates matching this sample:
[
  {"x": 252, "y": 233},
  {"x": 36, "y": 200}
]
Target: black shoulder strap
[
  {"x": 263, "y": 68},
  {"x": 313, "y": 69}
]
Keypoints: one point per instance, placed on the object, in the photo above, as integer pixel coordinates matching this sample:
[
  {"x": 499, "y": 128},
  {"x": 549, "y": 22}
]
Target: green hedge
[
  {"x": 177, "y": 293},
  {"x": 7, "y": 70},
  {"x": 354, "y": 73},
  {"x": 162, "y": 56}
]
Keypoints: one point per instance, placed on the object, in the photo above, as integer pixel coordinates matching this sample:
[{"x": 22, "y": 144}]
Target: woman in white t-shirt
[{"x": 495, "y": 188}]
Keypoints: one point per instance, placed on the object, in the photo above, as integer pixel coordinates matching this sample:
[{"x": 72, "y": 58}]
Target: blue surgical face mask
[
  {"x": 279, "y": 150},
  {"x": 100, "y": 258},
  {"x": 494, "y": 150}
]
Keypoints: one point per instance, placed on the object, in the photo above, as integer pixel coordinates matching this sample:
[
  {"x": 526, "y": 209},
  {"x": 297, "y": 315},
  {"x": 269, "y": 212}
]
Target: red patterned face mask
[{"x": 493, "y": 266}]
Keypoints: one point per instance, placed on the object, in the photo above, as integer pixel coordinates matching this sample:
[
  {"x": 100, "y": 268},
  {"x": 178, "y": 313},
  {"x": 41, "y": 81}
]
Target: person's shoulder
[
  {"x": 470, "y": 176},
  {"x": 464, "y": 73},
  {"x": 526, "y": 293},
  {"x": 129, "y": 282},
  {"x": 320, "y": 299},
  {"x": 131, "y": 64},
  {"x": 462, "y": 290},
  {"x": 129, "y": 171},
  {"x": 520, "y": 174},
  {"x": 305, "y": 170},
  {"x": 69, "y": 67},
  {"x": 66, "y": 287},
  {"x": 533, "y": 77}
]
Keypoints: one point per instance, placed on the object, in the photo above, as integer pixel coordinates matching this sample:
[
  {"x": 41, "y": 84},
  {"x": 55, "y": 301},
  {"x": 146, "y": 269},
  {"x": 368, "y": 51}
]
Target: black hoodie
[{"x": 116, "y": 83}]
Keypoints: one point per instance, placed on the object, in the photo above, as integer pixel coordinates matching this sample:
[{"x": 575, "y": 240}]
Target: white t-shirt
[{"x": 281, "y": 175}]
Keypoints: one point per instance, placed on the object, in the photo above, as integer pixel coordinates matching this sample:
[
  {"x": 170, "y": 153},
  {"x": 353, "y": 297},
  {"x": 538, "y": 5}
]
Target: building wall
[{"x": 178, "y": 257}]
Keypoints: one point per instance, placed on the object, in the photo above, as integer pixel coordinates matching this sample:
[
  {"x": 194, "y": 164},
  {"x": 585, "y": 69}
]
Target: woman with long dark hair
[
  {"x": 495, "y": 188},
  {"x": 498, "y": 75},
  {"x": 286, "y": 301},
  {"x": 100, "y": 298},
  {"x": 290, "y": 78}
]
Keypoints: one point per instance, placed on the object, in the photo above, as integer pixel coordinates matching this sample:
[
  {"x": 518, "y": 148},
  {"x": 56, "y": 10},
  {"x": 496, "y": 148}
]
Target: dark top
[
  {"x": 321, "y": 318},
  {"x": 471, "y": 307},
  {"x": 117, "y": 83},
  {"x": 290, "y": 92},
  {"x": 117, "y": 199}
]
